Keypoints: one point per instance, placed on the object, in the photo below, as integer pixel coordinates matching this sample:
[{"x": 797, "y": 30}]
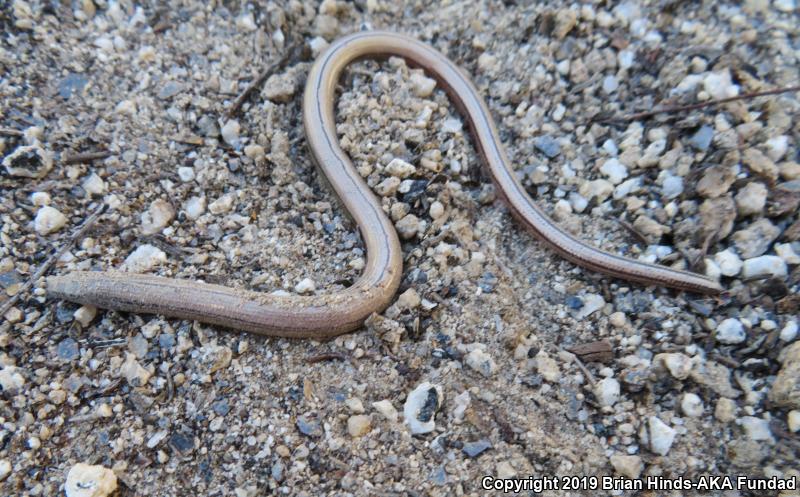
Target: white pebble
[
  {"x": 610, "y": 84},
  {"x": 186, "y": 173},
  {"x": 94, "y": 185},
  {"x": 49, "y": 220},
  {"x": 481, "y": 362},
  {"x": 386, "y": 409},
  {"x": 787, "y": 253},
  {"x": 719, "y": 85},
  {"x": 672, "y": 187},
  {"x": 661, "y": 436},
  {"x": 730, "y": 332},
  {"x": 84, "y": 480},
  {"x": 40, "y": 199},
  {"x": 789, "y": 332},
  {"x": 607, "y": 391},
  {"x": 157, "y": 217},
  {"x": 195, "y": 207},
  {"x": 230, "y": 132},
  {"x": 765, "y": 265},
  {"x": 422, "y": 85},
  {"x": 729, "y": 263},
  {"x": 793, "y": 420},
  {"x": 614, "y": 170},
  {"x": 306, "y": 285},
  {"x": 400, "y": 168},
  {"x": 692, "y": 405},
  {"x": 5, "y": 469},
  {"x": 222, "y": 205},
  {"x": 625, "y": 59},
  {"x": 436, "y": 210},
  {"x": 777, "y": 147},
  {"x": 756, "y": 429},
  {"x": 143, "y": 259},
  {"x": 85, "y": 314}
]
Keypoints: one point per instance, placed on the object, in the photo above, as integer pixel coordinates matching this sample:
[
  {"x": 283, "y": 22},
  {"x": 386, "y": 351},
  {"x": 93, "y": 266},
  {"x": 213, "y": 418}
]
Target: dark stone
[
  {"x": 574, "y": 302},
  {"x": 68, "y": 349},
  {"x": 309, "y": 428},
  {"x": 547, "y": 145},
  {"x": 182, "y": 442},
  {"x": 221, "y": 407},
  {"x": 71, "y": 84},
  {"x": 429, "y": 408},
  {"x": 10, "y": 278},
  {"x": 166, "y": 340},
  {"x": 474, "y": 449}
]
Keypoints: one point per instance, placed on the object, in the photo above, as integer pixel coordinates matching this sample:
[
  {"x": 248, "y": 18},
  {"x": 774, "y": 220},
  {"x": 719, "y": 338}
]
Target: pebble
[
  {"x": 11, "y": 379},
  {"x": 627, "y": 466},
  {"x": 421, "y": 85},
  {"x": 358, "y": 425},
  {"x": 386, "y": 409},
  {"x": 785, "y": 391},
  {"x": 672, "y": 187},
  {"x": 49, "y": 220},
  {"x": 591, "y": 304},
  {"x": 143, "y": 259},
  {"x": 157, "y": 217},
  {"x": 310, "y": 428},
  {"x": 607, "y": 391},
  {"x": 481, "y": 362},
  {"x": 30, "y": 161},
  {"x": 355, "y": 405},
  {"x": 400, "y": 168},
  {"x": 756, "y": 238},
  {"x": 766, "y": 265},
  {"x": 94, "y": 185},
  {"x": 719, "y": 85},
  {"x": 5, "y": 469},
  {"x": 223, "y": 204},
  {"x": 729, "y": 263},
  {"x": 306, "y": 285},
  {"x": 600, "y": 189},
  {"x": 84, "y": 480},
  {"x": 68, "y": 349},
  {"x": 725, "y": 411},
  {"x": 618, "y": 319},
  {"x": 474, "y": 449},
  {"x": 777, "y": 146},
  {"x": 230, "y": 132},
  {"x": 169, "y": 90},
  {"x": 186, "y": 173},
  {"x": 85, "y": 314},
  {"x": 614, "y": 170},
  {"x": 547, "y": 367},
  {"x": 408, "y": 227},
  {"x": 195, "y": 207},
  {"x": 388, "y": 186},
  {"x": 216, "y": 357},
  {"x": 679, "y": 365},
  {"x": 730, "y": 332},
  {"x": 408, "y": 300},
  {"x": 660, "y": 435},
  {"x": 786, "y": 252},
  {"x": 756, "y": 429},
  {"x": 547, "y": 145},
  {"x": 701, "y": 139},
  {"x": 421, "y": 406},
  {"x": 751, "y": 199},
  {"x": 133, "y": 372},
  {"x": 789, "y": 332},
  {"x": 610, "y": 84},
  {"x": 39, "y": 199},
  {"x": 691, "y": 405},
  {"x": 436, "y": 210},
  {"x": 792, "y": 419}
]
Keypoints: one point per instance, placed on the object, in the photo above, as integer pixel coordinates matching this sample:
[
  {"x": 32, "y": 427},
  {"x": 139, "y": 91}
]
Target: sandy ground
[{"x": 692, "y": 386}]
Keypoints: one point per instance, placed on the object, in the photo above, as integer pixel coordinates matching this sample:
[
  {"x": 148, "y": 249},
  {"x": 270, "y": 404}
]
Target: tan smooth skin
[{"x": 331, "y": 314}]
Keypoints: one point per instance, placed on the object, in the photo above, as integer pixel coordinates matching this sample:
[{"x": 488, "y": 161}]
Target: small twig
[
  {"x": 86, "y": 157},
  {"x": 633, "y": 231},
  {"x": 681, "y": 108},
  {"x": 11, "y": 132},
  {"x": 266, "y": 73},
  {"x": 585, "y": 370},
  {"x": 82, "y": 229}
]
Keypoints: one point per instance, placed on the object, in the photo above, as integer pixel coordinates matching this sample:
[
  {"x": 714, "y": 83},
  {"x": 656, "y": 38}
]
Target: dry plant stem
[
  {"x": 684, "y": 108},
  {"x": 50, "y": 260},
  {"x": 327, "y": 315}
]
